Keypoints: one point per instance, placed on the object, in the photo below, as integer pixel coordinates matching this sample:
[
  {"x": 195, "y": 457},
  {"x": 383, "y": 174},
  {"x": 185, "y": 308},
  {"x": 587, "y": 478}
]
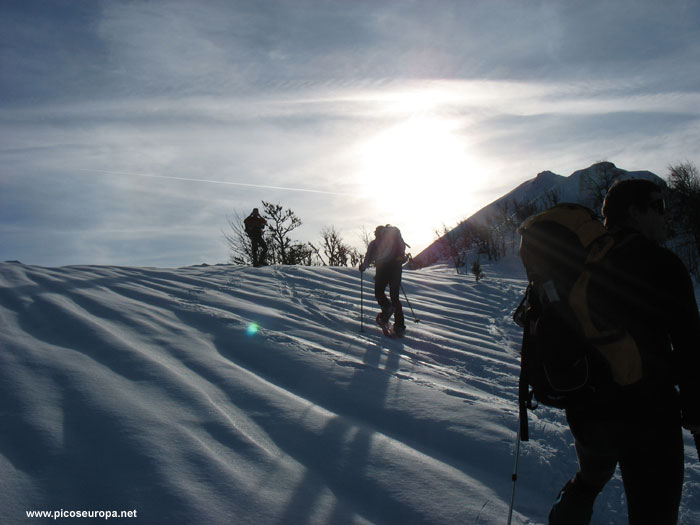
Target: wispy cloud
[{"x": 210, "y": 181}]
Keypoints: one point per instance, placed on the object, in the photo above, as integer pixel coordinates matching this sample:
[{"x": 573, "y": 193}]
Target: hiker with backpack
[
  {"x": 254, "y": 228},
  {"x": 387, "y": 252},
  {"x": 611, "y": 329}
]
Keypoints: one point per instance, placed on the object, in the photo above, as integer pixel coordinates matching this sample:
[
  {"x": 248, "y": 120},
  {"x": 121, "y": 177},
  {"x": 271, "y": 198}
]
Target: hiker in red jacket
[{"x": 254, "y": 228}]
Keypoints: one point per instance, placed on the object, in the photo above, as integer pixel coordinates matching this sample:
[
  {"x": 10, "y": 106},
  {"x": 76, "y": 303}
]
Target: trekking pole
[
  {"x": 362, "y": 296},
  {"x": 515, "y": 472},
  {"x": 415, "y": 319}
]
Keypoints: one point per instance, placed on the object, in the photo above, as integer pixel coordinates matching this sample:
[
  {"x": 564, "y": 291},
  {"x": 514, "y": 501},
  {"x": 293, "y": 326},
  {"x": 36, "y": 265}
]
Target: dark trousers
[
  {"x": 649, "y": 450},
  {"x": 258, "y": 243},
  {"x": 389, "y": 274}
]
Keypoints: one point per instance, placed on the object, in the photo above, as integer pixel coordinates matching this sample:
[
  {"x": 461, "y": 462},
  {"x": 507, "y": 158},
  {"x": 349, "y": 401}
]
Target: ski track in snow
[{"x": 150, "y": 389}]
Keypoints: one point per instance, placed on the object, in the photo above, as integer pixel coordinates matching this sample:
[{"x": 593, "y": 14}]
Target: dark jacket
[{"x": 254, "y": 224}]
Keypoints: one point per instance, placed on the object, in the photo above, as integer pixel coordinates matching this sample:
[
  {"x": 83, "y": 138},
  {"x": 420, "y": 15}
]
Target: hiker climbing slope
[
  {"x": 636, "y": 419},
  {"x": 254, "y": 228},
  {"x": 387, "y": 252}
]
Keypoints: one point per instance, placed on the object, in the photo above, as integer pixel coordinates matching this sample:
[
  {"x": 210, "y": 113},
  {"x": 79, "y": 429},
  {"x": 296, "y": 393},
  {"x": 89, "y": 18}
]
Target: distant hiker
[
  {"x": 387, "y": 251},
  {"x": 648, "y": 292},
  {"x": 254, "y": 228},
  {"x": 476, "y": 270}
]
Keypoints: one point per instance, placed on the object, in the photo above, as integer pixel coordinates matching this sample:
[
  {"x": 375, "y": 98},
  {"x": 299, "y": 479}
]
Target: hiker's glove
[{"x": 363, "y": 267}]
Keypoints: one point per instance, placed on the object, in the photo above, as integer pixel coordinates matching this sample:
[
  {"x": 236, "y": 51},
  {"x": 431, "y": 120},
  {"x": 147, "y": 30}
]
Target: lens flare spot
[{"x": 252, "y": 329}]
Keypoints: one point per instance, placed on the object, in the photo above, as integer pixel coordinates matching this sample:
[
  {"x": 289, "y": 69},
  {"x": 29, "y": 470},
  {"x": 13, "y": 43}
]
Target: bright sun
[{"x": 421, "y": 168}]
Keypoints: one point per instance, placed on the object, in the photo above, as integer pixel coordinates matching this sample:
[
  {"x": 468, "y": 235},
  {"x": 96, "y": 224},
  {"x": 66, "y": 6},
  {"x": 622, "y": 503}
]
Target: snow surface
[{"x": 226, "y": 394}]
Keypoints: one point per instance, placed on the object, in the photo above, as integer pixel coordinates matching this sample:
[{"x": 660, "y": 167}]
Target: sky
[{"x": 131, "y": 130}]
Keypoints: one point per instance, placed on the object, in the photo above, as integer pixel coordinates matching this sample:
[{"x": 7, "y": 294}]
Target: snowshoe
[
  {"x": 399, "y": 330},
  {"x": 384, "y": 325}
]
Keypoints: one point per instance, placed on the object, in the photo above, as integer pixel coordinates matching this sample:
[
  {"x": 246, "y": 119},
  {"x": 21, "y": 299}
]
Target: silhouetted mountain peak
[{"x": 586, "y": 186}]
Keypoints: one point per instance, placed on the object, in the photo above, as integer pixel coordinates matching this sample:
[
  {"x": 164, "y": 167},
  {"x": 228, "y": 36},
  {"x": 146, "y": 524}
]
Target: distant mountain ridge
[{"x": 547, "y": 188}]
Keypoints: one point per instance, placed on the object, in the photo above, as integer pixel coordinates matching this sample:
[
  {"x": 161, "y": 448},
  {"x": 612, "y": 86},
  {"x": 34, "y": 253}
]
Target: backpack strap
[{"x": 615, "y": 344}]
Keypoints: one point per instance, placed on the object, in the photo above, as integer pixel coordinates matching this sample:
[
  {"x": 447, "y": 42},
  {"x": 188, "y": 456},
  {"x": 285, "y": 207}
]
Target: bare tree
[
  {"x": 237, "y": 240},
  {"x": 684, "y": 179},
  {"x": 332, "y": 246},
  {"x": 550, "y": 198},
  {"x": 354, "y": 257},
  {"x": 303, "y": 254},
  {"x": 523, "y": 210},
  {"x": 684, "y": 183},
  {"x": 365, "y": 236},
  {"x": 505, "y": 225},
  {"x": 449, "y": 244},
  {"x": 282, "y": 249},
  {"x": 336, "y": 252}
]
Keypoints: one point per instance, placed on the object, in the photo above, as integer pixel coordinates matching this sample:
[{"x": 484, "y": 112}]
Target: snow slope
[{"x": 224, "y": 394}]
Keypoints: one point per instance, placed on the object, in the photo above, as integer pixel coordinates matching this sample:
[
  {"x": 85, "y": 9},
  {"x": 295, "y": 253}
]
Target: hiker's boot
[{"x": 574, "y": 506}]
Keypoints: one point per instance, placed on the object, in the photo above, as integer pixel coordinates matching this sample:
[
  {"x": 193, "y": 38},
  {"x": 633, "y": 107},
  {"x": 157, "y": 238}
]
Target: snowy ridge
[
  {"x": 574, "y": 188},
  {"x": 223, "y": 394}
]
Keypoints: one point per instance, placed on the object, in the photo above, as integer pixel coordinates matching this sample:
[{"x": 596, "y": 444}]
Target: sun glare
[{"x": 420, "y": 169}]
